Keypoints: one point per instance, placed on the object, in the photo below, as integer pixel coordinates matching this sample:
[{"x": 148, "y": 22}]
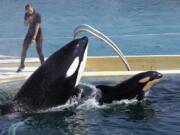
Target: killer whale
[
  {"x": 135, "y": 87},
  {"x": 54, "y": 82}
]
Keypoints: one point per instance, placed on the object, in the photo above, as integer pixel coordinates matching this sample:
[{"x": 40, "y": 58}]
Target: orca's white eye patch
[
  {"x": 73, "y": 67},
  {"x": 144, "y": 80}
]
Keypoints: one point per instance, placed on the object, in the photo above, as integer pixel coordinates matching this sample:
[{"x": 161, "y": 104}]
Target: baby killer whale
[
  {"x": 134, "y": 87},
  {"x": 54, "y": 82}
]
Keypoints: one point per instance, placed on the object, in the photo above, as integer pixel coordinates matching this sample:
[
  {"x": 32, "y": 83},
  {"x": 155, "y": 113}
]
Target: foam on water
[
  {"x": 69, "y": 104},
  {"x": 92, "y": 103}
]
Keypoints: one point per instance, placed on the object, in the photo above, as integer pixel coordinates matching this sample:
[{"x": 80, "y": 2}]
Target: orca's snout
[
  {"x": 84, "y": 40},
  {"x": 154, "y": 75},
  {"x": 159, "y": 75},
  {"x": 155, "y": 78}
]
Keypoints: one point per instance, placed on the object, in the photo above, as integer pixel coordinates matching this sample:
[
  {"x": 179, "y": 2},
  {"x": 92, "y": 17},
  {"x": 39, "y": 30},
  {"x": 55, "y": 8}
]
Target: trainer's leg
[
  {"x": 25, "y": 47},
  {"x": 23, "y": 53},
  {"x": 39, "y": 40},
  {"x": 40, "y": 53}
]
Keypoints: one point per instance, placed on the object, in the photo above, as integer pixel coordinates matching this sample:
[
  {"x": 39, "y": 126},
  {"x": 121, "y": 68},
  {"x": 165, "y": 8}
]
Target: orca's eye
[{"x": 154, "y": 76}]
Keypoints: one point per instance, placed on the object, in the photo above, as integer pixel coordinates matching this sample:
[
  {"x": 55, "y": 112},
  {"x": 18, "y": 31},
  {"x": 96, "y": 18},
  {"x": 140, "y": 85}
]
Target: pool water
[
  {"x": 138, "y": 27},
  {"x": 158, "y": 114}
]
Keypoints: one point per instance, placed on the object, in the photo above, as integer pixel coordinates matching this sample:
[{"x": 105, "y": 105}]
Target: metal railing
[{"x": 101, "y": 36}]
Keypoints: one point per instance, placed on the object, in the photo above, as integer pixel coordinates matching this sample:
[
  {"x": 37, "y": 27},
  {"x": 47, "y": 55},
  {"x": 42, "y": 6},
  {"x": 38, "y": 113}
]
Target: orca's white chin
[{"x": 82, "y": 66}]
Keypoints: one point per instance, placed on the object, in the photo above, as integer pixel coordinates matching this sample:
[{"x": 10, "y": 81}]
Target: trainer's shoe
[{"x": 20, "y": 68}]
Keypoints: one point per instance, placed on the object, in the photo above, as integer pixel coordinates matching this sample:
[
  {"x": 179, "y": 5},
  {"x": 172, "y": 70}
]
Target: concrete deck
[
  {"x": 96, "y": 66},
  {"x": 9, "y": 65}
]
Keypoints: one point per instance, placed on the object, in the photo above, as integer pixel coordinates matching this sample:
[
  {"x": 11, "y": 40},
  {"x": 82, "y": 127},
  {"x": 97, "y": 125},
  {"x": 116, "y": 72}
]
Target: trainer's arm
[
  {"x": 26, "y": 20},
  {"x": 36, "y": 31},
  {"x": 26, "y": 23}
]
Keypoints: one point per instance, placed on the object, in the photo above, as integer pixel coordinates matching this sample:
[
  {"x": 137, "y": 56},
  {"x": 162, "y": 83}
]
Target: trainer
[{"x": 32, "y": 19}]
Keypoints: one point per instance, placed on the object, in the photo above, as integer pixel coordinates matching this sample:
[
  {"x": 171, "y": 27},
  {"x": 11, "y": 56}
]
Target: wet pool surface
[{"x": 158, "y": 114}]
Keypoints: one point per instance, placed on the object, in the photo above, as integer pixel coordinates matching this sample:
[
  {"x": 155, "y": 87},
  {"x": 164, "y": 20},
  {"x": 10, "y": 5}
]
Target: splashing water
[{"x": 89, "y": 103}]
